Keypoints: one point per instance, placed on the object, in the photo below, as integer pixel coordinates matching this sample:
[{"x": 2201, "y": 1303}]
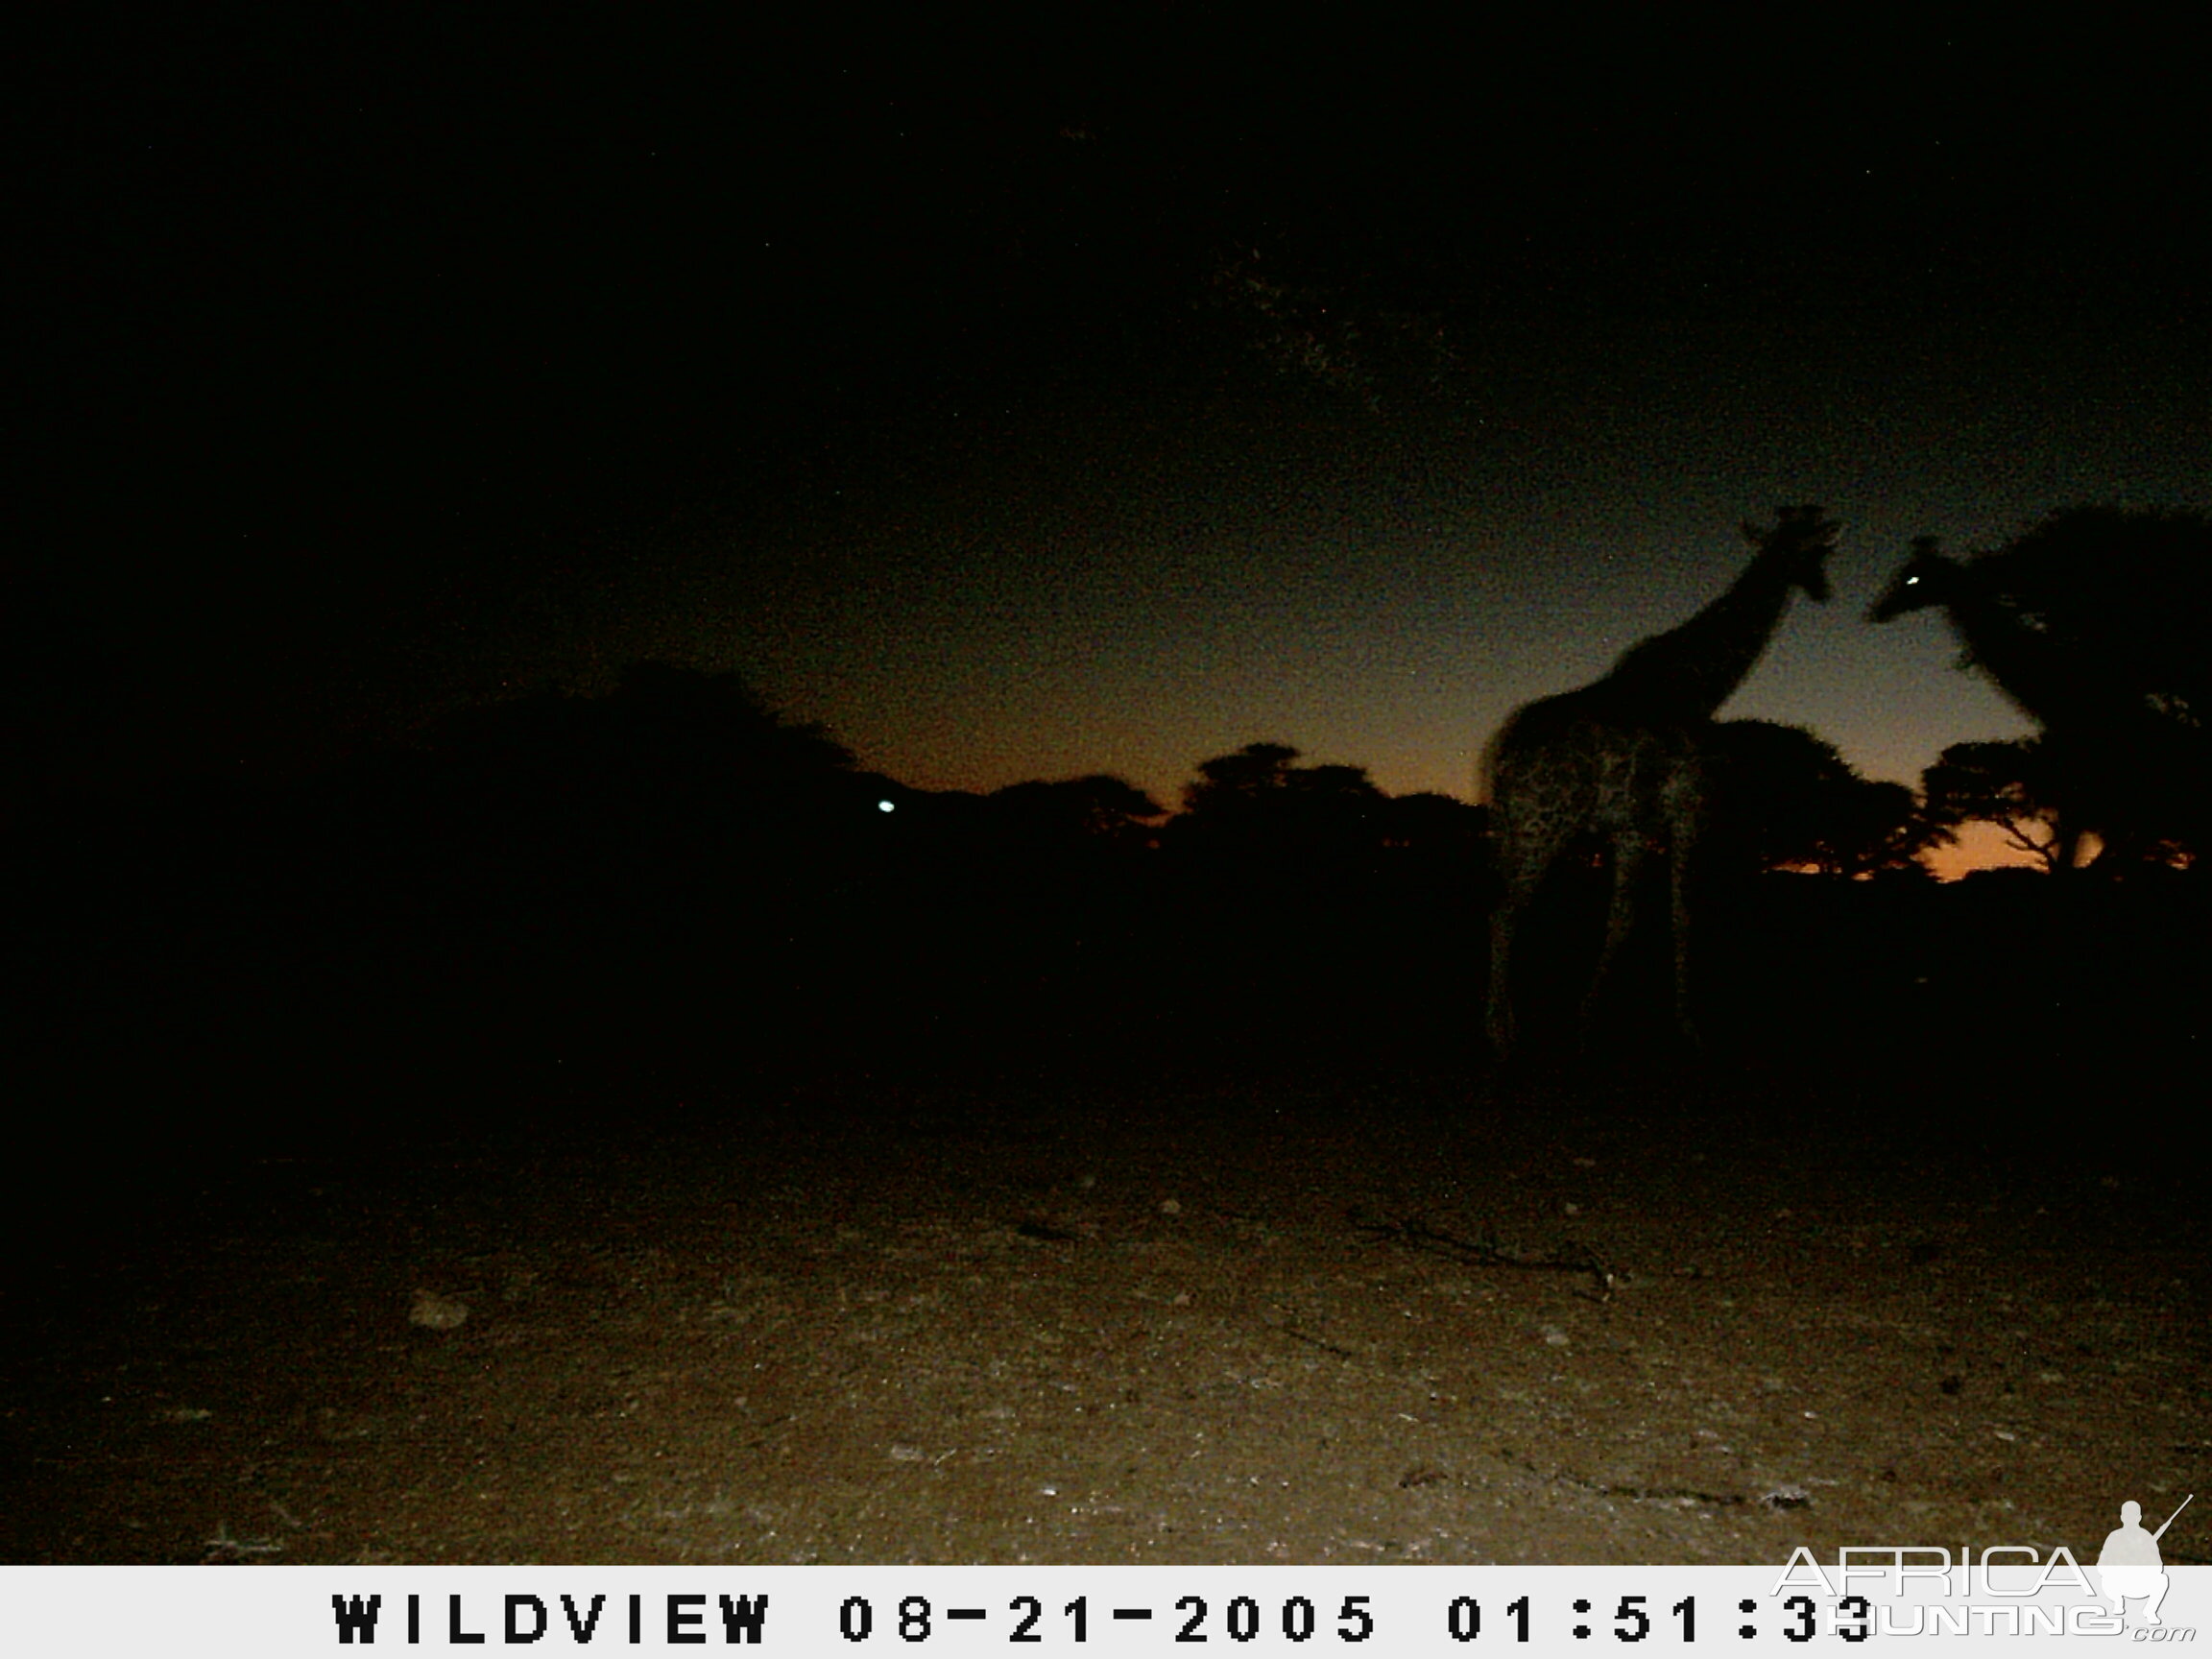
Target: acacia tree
[
  {"x": 1257, "y": 818},
  {"x": 1097, "y": 811},
  {"x": 2093, "y": 621},
  {"x": 2126, "y": 593},
  {"x": 2012, "y": 784},
  {"x": 1259, "y": 787},
  {"x": 1789, "y": 800}
]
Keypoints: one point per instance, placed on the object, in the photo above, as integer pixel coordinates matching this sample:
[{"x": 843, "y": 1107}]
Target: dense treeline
[
  {"x": 673, "y": 880},
  {"x": 672, "y": 887}
]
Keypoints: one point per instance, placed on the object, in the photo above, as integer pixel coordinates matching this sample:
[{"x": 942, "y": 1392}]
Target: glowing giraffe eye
[{"x": 1912, "y": 581}]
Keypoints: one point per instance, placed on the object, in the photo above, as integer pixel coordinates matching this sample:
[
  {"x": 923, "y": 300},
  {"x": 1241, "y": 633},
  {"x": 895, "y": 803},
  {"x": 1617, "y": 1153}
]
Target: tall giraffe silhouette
[
  {"x": 2104, "y": 737},
  {"x": 1625, "y": 760}
]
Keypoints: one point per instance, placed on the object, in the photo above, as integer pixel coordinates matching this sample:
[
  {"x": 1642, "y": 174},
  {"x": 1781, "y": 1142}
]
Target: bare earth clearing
[{"x": 885, "y": 1324}]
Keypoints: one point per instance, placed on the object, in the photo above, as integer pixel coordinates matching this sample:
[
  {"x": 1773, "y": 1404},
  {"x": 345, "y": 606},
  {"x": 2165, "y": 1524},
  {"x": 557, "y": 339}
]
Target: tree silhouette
[
  {"x": 664, "y": 728},
  {"x": 2012, "y": 784},
  {"x": 1029, "y": 855},
  {"x": 1260, "y": 782},
  {"x": 2092, "y": 623},
  {"x": 1435, "y": 860},
  {"x": 673, "y": 821},
  {"x": 2125, "y": 593},
  {"x": 1235, "y": 784},
  {"x": 1092, "y": 813},
  {"x": 1428, "y": 823},
  {"x": 1261, "y": 818},
  {"x": 2126, "y": 596},
  {"x": 1789, "y": 800}
]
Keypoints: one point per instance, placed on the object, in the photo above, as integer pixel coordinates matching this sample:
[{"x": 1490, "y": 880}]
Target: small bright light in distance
[{"x": 885, "y": 807}]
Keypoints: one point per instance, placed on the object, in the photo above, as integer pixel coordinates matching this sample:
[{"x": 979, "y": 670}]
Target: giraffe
[
  {"x": 1624, "y": 759},
  {"x": 2104, "y": 737}
]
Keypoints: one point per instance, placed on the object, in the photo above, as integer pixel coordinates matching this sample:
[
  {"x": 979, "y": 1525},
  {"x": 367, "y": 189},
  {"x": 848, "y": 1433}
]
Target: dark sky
[{"x": 1028, "y": 406}]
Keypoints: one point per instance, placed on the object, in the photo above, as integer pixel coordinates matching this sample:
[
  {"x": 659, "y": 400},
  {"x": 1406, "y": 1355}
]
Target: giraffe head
[
  {"x": 1924, "y": 581},
  {"x": 1800, "y": 543}
]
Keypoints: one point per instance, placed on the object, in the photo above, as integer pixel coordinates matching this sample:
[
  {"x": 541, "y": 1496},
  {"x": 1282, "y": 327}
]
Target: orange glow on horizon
[{"x": 1979, "y": 846}]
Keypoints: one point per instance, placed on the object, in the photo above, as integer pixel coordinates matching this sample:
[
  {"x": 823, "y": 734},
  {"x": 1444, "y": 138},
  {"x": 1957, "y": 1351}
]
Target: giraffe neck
[
  {"x": 2010, "y": 653},
  {"x": 1688, "y": 672}
]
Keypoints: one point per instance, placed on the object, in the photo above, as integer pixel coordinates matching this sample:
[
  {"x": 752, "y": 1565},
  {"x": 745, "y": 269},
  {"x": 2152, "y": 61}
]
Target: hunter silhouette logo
[{"x": 2130, "y": 1565}]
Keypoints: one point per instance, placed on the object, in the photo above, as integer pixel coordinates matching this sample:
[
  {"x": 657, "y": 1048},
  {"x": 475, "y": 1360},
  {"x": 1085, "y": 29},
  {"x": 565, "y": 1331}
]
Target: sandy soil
[{"x": 1274, "y": 1324}]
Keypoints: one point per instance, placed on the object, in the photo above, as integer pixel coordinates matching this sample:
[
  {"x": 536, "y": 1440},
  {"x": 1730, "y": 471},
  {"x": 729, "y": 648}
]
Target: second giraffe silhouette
[
  {"x": 1624, "y": 761},
  {"x": 2114, "y": 754}
]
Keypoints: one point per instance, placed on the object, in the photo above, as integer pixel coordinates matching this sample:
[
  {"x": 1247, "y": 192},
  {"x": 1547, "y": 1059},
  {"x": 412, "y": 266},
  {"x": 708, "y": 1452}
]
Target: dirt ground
[{"x": 1313, "y": 1324}]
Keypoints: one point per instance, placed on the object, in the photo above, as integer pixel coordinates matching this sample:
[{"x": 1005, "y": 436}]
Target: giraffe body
[{"x": 1623, "y": 762}]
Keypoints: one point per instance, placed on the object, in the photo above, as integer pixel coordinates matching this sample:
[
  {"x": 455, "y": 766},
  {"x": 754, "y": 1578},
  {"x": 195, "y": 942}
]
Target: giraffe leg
[
  {"x": 1497, "y": 1021},
  {"x": 1678, "y": 893},
  {"x": 1524, "y": 864},
  {"x": 1630, "y": 853},
  {"x": 1684, "y": 819}
]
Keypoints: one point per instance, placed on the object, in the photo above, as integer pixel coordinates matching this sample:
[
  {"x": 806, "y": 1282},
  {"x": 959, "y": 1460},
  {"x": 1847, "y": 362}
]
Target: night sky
[{"x": 1026, "y": 407}]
